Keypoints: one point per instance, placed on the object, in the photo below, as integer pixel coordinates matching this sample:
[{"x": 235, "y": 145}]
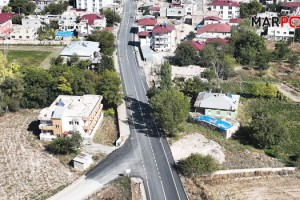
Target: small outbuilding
[{"x": 82, "y": 161}]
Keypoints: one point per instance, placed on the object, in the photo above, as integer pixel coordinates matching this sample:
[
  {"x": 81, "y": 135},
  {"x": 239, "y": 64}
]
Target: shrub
[
  {"x": 62, "y": 145},
  {"x": 197, "y": 164}
]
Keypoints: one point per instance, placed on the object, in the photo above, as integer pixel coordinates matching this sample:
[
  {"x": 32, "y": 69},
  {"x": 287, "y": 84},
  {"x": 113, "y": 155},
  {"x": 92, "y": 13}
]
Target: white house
[
  {"x": 163, "y": 37},
  {"x": 67, "y": 21},
  {"x": 71, "y": 113},
  {"x": 85, "y": 50},
  {"x": 91, "y": 22},
  {"x": 31, "y": 22},
  {"x": 220, "y": 30},
  {"x": 21, "y": 32},
  {"x": 291, "y": 8},
  {"x": 146, "y": 24},
  {"x": 93, "y": 5},
  {"x": 280, "y": 33},
  {"x": 82, "y": 161},
  {"x": 211, "y": 20},
  {"x": 227, "y": 9}
]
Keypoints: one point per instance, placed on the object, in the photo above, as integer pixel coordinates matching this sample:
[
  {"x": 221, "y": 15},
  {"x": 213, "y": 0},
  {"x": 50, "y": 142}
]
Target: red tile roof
[
  {"x": 5, "y": 17},
  {"x": 91, "y": 18},
  {"x": 213, "y": 18},
  {"x": 235, "y": 20},
  {"x": 147, "y": 22},
  {"x": 143, "y": 33},
  {"x": 152, "y": 8},
  {"x": 219, "y": 40},
  {"x": 163, "y": 28},
  {"x": 224, "y": 3},
  {"x": 197, "y": 45},
  {"x": 214, "y": 28},
  {"x": 291, "y": 4}
]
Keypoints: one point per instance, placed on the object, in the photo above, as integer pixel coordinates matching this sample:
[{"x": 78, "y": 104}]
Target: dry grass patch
[
  {"x": 107, "y": 133},
  {"x": 27, "y": 171}
]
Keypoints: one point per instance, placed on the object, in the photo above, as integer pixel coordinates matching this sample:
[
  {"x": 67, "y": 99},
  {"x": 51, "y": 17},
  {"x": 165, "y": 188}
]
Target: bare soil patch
[
  {"x": 283, "y": 185},
  {"x": 120, "y": 189},
  {"x": 107, "y": 133},
  {"x": 27, "y": 171}
]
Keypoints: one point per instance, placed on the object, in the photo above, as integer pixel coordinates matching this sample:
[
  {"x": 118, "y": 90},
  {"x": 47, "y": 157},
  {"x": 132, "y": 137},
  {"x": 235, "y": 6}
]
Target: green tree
[
  {"x": 109, "y": 86},
  {"x": 64, "y": 86},
  {"x": 54, "y": 24},
  {"x": 267, "y": 130},
  {"x": 45, "y": 32},
  {"x": 281, "y": 51},
  {"x": 197, "y": 164},
  {"x": 185, "y": 54},
  {"x": 106, "y": 40},
  {"x": 76, "y": 139},
  {"x": 191, "y": 35},
  {"x": 214, "y": 57},
  {"x": 111, "y": 17},
  {"x": 106, "y": 63},
  {"x": 57, "y": 61},
  {"x": 6, "y": 9},
  {"x": 61, "y": 145},
  {"x": 263, "y": 90},
  {"x": 249, "y": 9},
  {"x": 73, "y": 59},
  {"x": 17, "y": 19},
  {"x": 251, "y": 51},
  {"x": 170, "y": 108},
  {"x": 165, "y": 75},
  {"x": 37, "y": 87},
  {"x": 22, "y": 6},
  {"x": 293, "y": 59},
  {"x": 192, "y": 87},
  {"x": 297, "y": 35},
  {"x": 55, "y": 8},
  {"x": 146, "y": 11},
  {"x": 83, "y": 64}
]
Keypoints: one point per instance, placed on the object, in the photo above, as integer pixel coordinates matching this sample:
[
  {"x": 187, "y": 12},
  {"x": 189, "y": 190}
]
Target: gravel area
[{"x": 196, "y": 143}]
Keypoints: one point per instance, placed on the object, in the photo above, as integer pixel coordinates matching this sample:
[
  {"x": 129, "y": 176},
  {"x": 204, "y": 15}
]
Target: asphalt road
[
  {"x": 161, "y": 180},
  {"x": 146, "y": 152}
]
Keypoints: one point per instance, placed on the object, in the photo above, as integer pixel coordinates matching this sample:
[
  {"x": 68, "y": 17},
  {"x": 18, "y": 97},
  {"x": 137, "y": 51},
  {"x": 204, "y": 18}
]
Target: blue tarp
[
  {"x": 65, "y": 33},
  {"x": 222, "y": 125}
]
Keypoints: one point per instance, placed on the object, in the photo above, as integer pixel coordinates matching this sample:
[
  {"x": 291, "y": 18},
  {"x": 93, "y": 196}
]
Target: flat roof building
[{"x": 71, "y": 113}]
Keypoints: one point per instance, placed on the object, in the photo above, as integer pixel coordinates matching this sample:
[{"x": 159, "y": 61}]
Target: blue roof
[
  {"x": 58, "y": 112},
  {"x": 222, "y": 125}
]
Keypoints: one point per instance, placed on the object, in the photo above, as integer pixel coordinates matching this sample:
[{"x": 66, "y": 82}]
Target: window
[
  {"x": 70, "y": 122},
  {"x": 230, "y": 7},
  {"x": 76, "y": 123},
  {"x": 229, "y": 113},
  {"x": 20, "y": 37},
  {"x": 27, "y": 37},
  {"x": 214, "y": 7},
  {"x": 221, "y": 7},
  {"x": 229, "y": 12},
  {"x": 218, "y": 112},
  {"x": 56, "y": 126},
  {"x": 221, "y": 12}
]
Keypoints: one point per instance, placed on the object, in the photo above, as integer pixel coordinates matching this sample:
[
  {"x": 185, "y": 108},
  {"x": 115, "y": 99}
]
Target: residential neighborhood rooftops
[
  {"x": 291, "y": 4},
  {"x": 198, "y": 46},
  {"x": 224, "y": 3},
  {"x": 219, "y": 40},
  {"x": 5, "y": 17},
  {"x": 214, "y": 28},
  {"x": 215, "y": 18},
  {"x": 217, "y": 101},
  {"x": 235, "y": 20},
  {"x": 71, "y": 106},
  {"x": 91, "y": 18},
  {"x": 81, "y": 48},
  {"x": 163, "y": 28},
  {"x": 143, "y": 33},
  {"x": 147, "y": 22}
]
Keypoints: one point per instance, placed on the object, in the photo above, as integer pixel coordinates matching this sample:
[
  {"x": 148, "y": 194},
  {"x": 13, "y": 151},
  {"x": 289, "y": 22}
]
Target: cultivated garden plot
[{"x": 27, "y": 171}]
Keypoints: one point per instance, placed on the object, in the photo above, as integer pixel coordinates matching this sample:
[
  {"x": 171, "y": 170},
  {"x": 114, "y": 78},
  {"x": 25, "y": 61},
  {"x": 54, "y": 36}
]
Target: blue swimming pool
[{"x": 222, "y": 125}]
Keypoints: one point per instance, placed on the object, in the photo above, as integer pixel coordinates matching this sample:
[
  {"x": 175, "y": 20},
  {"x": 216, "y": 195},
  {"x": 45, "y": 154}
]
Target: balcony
[{"x": 46, "y": 127}]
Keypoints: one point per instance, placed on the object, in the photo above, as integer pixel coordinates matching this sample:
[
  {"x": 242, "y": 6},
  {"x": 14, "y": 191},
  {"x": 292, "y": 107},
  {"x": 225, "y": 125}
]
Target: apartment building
[
  {"x": 90, "y": 22},
  {"x": 71, "y": 113},
  {"x": 93, "y": 5},
  {"x": 227, "y": 9},
  {"x": 163, "y": 37},
  {"x": 291, "y": 8},
  {"x": 280, "y": 33}
]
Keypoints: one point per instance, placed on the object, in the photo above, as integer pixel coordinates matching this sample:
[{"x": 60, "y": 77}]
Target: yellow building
[{"x": 71, "y": 113}]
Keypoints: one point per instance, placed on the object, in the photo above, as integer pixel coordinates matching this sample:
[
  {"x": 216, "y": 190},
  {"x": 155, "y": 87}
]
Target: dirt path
[{"x": 289, "y": 92}]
